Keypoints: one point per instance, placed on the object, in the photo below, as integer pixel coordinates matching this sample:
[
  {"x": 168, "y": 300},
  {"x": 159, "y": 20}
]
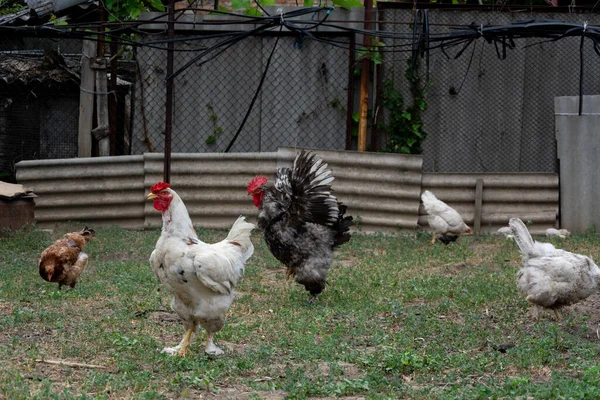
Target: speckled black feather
[{"x": 302, "y": 222}]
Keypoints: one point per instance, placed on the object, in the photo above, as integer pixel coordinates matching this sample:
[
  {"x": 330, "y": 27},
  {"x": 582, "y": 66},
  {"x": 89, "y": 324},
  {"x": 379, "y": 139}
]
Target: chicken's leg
[
  {"x": 181, "y": 348},
  {"x": 433, "y": 239},
  {"x": 211, "y": 347}
]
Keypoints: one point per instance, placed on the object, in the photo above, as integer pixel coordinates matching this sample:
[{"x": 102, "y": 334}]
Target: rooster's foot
[
  {"x": 212, "y": 348},
  {"x": 172, "y": 351},
  {"x": 312, "y": 299}
]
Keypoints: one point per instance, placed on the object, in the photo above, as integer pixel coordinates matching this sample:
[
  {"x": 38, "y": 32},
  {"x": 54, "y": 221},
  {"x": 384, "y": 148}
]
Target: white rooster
[
  {"x": 552, "y": 278},
  {"x": 442, "y": 218},
  {"x": 202, "y": 277}
]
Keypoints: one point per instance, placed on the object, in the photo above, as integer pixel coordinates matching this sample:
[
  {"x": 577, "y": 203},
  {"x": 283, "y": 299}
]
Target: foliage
[
  {"x": 120, "y": 10},
  {"x": 372, "y": 52},
  {"x": 405, "y": 126},
  {"x": 11, "y": 6},
  {"x": 217, "y": 130}
]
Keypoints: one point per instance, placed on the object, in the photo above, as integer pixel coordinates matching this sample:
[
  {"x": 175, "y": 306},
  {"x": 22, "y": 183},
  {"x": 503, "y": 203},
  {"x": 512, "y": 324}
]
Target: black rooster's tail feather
[{"x": 342, "y": 227}]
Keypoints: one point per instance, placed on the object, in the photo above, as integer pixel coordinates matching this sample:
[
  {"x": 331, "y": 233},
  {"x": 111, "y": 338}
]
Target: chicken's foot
[
  {"x": 181, "y": 348},
  {"x": 211, "y": 347},
  {"x": 433, "y": 239}
]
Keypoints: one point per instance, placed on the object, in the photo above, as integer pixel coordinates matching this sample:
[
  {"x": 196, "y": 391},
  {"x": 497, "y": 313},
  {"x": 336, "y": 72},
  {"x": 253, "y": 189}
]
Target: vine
[
  {"x": 405, "y": 126},
  {"x": 217, "y": 130}
]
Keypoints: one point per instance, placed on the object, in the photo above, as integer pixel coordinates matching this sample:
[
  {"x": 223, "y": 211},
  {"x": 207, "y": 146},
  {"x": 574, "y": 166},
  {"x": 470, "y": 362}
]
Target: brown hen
[{"x": 65, "y": 260}]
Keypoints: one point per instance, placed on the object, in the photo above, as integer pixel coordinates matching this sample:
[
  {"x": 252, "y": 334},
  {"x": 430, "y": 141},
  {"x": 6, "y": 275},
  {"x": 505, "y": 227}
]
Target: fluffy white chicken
[
  {"x": 552, "y": 278},
  {"x": 202, "y": 277},
  {"x": 442, "y": 218},
  {"x": 506, "y": 231},
  {"x": 561, "y": 233}
]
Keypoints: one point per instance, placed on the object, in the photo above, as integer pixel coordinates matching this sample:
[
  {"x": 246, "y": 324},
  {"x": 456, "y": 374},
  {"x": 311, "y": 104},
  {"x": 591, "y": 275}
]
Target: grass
[{"x": 399, "y": 319}]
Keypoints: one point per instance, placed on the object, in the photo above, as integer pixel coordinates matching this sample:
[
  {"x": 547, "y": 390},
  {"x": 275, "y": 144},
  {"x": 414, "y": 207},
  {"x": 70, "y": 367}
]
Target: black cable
[
  {"x": 260, "y": 84},
  {"x": 581, "y": 60}
]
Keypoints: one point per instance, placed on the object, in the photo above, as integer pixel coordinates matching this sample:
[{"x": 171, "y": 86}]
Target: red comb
[
  {"x": 159, "y": 187},
  {"x": 256, "y": 182}
]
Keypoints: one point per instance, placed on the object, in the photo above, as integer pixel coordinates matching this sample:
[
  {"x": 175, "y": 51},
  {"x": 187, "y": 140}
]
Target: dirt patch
[
  {"x": 6, "y": 308},
  {"x": 164, "y": 317},
  {"x": 349, "y": 262},
  {"x": 238, "y": 393},
  {"x": 33, "y": 336},
  {"x": 590, "y": 307},
  {"x": 350, "y": 371}
]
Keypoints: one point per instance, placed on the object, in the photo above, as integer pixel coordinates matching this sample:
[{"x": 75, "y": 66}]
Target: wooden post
[
  {"x": 112, "y": 99},
  {"x": 86, "y": 100},
  {"x": 102, "y": 130},
  {"x": 478, "y": 205},
  {"x": 364, "y": 82},
  {"x": 169, "y": 97}
]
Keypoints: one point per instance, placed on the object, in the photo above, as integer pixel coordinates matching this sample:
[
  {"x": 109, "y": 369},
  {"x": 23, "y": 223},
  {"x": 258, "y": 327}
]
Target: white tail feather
[
  {"x": 240, "y": 233},
  {"x": 522, "y": 235}
]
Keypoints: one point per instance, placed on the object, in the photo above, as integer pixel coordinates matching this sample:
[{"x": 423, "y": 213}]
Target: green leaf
[
  {"x": 410, "y": 142},
  {"x": 253, "y": 12},
  {"x": 405, "y": 150},
  {"x": 355, "y": 117},
  {"x": 355, "y": 131},
  {"x": 308, "y": 3},
  {"x": 421, "y": 104},
  {"x": 211, "y": 140},
  {"x": 347, "y": 4},
  {"x": 239, "y": 4},
  {"x": 157, "y": 4},
  {"x": 406, "y": 115},
  {"x": 376, "y": 58}
]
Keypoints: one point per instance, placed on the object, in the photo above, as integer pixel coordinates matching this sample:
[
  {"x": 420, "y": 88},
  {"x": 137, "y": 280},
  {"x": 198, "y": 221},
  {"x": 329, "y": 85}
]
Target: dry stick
[{"x": 70, "y": 364}]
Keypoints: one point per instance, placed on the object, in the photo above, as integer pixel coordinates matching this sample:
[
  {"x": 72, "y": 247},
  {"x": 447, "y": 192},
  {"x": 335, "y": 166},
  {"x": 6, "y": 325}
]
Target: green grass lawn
[{"x": 400, "y": 319}]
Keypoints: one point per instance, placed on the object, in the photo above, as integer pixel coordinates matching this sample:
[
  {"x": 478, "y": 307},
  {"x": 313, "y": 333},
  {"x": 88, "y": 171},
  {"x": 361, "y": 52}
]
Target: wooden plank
[
  {"x": 478, "y": 204},
  {"x": 101, "y": 132},
  {"x": 86, "y": 100}
]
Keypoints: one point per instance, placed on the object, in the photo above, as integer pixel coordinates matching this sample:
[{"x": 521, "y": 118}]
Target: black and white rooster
[{"x": 301, "y": 220}]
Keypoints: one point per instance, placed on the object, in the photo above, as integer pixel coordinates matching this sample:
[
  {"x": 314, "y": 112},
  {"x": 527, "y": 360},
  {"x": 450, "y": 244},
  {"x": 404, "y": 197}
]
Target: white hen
[
  {"x": 442, "y": 218},
  {"x": 552, "y": 278},
  {"x": 561, "y": 233},
  {"x": 202, "y": 277}
]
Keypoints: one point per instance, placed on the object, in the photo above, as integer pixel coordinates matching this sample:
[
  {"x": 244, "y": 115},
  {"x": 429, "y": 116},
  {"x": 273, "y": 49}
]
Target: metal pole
[
  {"x": 350, "y": 99},
  {"x": 112, "y": 100},
  {"x": 169, "y": 99},
  {"x": 364, "y": 82}
]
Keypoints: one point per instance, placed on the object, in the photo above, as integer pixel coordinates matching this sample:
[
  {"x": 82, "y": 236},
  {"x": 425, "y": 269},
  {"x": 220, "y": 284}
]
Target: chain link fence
[
  {"x": 303, "y": 101},
  {"x": 485, "y": 113}
]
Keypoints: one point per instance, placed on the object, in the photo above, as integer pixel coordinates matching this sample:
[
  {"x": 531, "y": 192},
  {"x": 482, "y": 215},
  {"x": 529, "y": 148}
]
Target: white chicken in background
[
  {"x": 442, "y": 218},
  {"x": 561, "y": 233},
  {"x": 506, "y": 231},
  {"x": 552, "y": 278},
  {"x": 202, "y": 277}
]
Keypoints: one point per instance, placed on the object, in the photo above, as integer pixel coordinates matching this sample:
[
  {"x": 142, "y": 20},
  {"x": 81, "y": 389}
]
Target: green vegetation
[{"x": 399, "y": 319}]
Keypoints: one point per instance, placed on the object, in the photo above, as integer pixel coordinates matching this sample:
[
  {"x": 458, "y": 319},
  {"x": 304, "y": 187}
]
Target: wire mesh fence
[
  {"x": 482, "y": 112},
  {"x": 303, "y": 101},
  {"x": 486, "y": 113}
]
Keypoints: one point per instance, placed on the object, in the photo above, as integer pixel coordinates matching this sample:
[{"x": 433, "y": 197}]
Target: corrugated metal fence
[{"x": 382, "y": 190}]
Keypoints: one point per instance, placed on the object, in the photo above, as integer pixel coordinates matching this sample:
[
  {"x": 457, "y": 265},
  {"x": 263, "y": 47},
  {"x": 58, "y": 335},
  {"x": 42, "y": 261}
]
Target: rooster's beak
[
  {"x": 249, "y": 194},
  {"x": 152, "y": 196}
]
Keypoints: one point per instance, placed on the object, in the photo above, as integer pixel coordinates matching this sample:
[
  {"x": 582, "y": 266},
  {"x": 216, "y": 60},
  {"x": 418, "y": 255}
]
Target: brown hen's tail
[{"x": 342, "y": 227}]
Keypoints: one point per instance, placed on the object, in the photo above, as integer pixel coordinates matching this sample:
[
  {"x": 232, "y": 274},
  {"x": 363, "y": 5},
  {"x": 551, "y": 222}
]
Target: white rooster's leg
[
  {"x": 181, "y": 348},
  {"x": 211, "y": 347},
  {"x": 433, "y": 239}
]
